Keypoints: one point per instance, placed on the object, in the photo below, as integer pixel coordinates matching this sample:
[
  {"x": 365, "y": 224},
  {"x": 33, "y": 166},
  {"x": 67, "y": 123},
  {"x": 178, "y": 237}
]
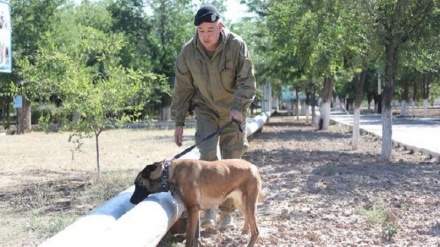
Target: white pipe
[
  {"x": 118, "y": 223},
  {"x": 95, "y": 222}
]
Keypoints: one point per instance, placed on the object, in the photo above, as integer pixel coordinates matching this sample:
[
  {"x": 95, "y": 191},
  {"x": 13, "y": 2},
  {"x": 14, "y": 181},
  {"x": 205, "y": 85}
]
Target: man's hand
[
  {"x": 236, "y": 115},
  {"x": 178, "y": 135}
]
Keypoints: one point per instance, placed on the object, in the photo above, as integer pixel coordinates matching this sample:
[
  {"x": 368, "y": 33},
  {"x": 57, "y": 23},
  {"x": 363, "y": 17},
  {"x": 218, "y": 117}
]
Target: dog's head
[{"x": 147, "y": 182}]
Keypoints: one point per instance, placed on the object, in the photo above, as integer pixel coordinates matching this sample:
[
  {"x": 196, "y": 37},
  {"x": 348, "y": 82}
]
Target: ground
[
  {"x": 324, "y": 194},
  {"x": 321, "y": 192}
]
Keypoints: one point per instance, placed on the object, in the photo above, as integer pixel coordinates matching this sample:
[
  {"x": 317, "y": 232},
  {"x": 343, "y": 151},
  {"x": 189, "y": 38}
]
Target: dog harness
[{"x": 164, "y": 176}]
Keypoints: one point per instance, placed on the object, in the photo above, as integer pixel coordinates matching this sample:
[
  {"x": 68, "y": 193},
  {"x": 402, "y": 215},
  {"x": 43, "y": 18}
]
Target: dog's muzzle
[{"x": 139, "y": 195}]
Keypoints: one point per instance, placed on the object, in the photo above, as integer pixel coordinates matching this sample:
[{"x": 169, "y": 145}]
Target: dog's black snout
[
  {"x": 138, "y": 196},
  {"x": 134, "y": 201}
]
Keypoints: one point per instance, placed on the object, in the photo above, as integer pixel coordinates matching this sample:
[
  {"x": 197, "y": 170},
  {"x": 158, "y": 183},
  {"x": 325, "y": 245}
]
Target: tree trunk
[
  {"x": 378, "y": 103},
  {"x": 165, "y": 111},
  {"x": 414, "y": 96},
  {"x": 326, "y": 105},
  {"x": 425, "y": 108},
  {"x": 387, "y": 126},
  {"x": 297, "y": 103},
  {"x": 405, "y": 100},
  {"x": 425, "y": 94},
  {"x": 369, "y": 99},
  {"x": 413, "y": 108},
  {"x": 5, "y": 111},
  {"x": 404, "y": 108},
  {"x": 307, "y": 103},
  {"x": 378, "y": 96},
  {"x": 356, "y": 128},
  {"x": 98, "y": 166},
  {"x": 25, "y": 115},
  {"x": 360, "y": 79},
  {"x": 313, "y": 100}
]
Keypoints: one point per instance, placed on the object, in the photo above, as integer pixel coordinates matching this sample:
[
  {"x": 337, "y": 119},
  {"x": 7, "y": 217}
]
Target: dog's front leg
[{"x": 193, "y": 220}]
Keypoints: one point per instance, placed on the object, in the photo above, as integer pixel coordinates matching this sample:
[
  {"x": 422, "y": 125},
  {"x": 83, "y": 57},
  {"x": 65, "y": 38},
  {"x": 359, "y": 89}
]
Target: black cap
[{"x": 206, "y": 13}]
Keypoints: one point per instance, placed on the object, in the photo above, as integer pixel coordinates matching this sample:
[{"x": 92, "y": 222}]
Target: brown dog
[{"x": 202, "y": 185}]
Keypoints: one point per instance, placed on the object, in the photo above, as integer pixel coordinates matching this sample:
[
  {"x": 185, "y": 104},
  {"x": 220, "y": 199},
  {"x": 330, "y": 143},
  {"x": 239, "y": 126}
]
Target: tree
[
  {"x": 140, "y": 49},
  {"x": 80, "y": 65},
  {"x": 169, "y": 39},
  {"x": 359, "y": 51},
  {"x": 397, "y": 23},
  {"x": 31, "y": 19},
  {"x": 310, "y": 33}
]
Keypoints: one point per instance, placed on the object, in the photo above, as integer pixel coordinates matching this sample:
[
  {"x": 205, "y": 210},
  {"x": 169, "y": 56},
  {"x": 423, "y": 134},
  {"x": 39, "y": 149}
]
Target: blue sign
[
  {"x": 5, "y": 37},
  {"x": 18, "y": 101}
]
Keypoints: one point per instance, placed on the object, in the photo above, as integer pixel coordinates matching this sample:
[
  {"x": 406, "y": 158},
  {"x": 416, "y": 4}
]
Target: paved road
[{"x": 418, "y": 134}]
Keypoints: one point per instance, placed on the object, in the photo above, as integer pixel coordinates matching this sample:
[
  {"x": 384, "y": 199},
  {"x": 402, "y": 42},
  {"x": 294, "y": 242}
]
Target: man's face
[{"x": 209, "y": 34}]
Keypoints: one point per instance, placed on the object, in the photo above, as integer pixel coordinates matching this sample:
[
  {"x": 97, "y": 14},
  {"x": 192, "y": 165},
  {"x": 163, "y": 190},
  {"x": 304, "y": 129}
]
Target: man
[{"x": 215, "y": 78}]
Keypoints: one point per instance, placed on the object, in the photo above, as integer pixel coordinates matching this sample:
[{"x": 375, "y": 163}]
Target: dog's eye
[{"x": 143, "y": 183}]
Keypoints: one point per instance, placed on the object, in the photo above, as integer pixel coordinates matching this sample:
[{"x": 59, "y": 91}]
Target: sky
[{"x": 234, "y": 10}]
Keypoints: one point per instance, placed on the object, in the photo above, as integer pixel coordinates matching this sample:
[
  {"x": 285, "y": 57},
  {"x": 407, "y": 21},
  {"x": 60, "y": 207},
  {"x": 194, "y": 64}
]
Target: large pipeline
[{"x": 118, "y": 223}]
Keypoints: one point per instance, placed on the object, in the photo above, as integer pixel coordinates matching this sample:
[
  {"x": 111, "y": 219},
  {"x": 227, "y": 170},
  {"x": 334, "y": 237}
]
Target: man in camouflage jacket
[{"x": 215, "y": 78}]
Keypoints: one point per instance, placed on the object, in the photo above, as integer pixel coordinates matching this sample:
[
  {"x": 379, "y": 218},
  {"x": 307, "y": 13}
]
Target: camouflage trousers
[{"x": 232, "y": 143}]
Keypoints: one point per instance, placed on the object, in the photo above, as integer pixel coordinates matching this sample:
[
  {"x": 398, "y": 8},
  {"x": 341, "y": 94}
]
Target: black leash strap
[{"x": 214, "y": 133}]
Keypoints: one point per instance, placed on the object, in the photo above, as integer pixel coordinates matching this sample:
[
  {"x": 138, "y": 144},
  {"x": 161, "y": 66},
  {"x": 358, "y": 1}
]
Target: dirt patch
[{"x": 325, "y": 194}]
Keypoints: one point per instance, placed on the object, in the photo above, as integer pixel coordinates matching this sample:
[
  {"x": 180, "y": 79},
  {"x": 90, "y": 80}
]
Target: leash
[
  {"x": 165, "y": 171},
  {"x": 164, "y": 175},
  {"x": 212, "y": 134}
]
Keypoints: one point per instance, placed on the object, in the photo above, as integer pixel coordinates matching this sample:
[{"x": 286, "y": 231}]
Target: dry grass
[
  {"x": 319, "y": 185},
  {"x": 42, "y": 189}
]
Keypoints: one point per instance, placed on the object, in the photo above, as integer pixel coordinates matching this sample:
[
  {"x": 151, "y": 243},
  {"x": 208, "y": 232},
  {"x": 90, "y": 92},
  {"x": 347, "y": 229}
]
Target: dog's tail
[{"x": 263, "y": 194}]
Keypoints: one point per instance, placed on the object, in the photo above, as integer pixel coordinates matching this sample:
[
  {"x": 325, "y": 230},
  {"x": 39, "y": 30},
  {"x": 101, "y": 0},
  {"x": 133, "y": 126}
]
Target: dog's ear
[
  {"x": 147, "y": 170},
  {"x": 158, "y": 171},
  {"x": 152, "y": 171}
]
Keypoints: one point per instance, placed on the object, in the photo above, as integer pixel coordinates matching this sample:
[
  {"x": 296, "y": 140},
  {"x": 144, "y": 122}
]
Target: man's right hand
[{"x": 178, "y": 135}]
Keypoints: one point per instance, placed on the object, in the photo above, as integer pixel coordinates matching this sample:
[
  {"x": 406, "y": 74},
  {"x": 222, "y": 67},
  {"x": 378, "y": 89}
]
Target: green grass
[
  {"x": 378, "y": 215},
  {"x": 329, "y": 170}
]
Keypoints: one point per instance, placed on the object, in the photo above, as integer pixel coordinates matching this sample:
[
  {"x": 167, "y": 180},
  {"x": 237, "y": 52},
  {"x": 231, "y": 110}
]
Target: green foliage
[
  {"x": 379, "y": 215},
  {"x": 173, "y": 27},
  {"x": 389, "y": 231},
  {"x": 329, "y": 170},
  {"x": 128, "y": 17},
  {"x": 434, "y": 91},
  {"x": 310, "y": 40},
  {"x": 108, "y": 61},
  {"x": 50, "y": 111},
  {"x": 80, "y": 65}
]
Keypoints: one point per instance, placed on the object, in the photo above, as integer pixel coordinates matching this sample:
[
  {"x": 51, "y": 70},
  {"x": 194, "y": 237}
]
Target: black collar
[{"x": 164, "y": 176}]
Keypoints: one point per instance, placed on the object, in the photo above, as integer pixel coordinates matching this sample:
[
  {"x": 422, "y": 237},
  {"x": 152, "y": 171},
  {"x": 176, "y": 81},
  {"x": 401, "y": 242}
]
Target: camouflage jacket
[{"x": 217, "y": 85}]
